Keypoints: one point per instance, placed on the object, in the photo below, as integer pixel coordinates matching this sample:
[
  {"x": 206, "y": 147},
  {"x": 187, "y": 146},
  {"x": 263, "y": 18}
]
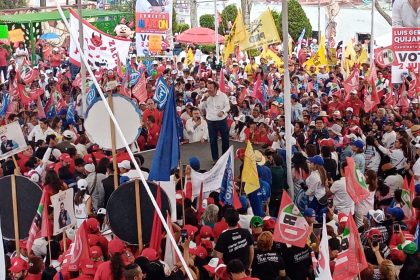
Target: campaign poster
[
  {"x": 63, "y": 210},
  {"x": 154, "y": 28},
  {"x": 406, "y": 46},
  {"x": 12, "y": 140}
]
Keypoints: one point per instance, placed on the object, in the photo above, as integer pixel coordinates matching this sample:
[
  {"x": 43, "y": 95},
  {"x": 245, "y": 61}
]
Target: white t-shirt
[
  {"x": 365, "y": 205},
  {"x": 388, "y": 139},
  {"x": 342, "y": 201},
  {"x": 315, "y": 186}
]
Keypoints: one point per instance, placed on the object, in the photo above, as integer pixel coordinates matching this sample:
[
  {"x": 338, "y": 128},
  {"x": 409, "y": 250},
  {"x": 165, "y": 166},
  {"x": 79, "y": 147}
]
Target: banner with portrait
[
  {"x": 406, "y": 46},
  {"x": 63, "y": 210},
  {"x": 154, "y": 27},
  {"x": 12, "y": 140}
]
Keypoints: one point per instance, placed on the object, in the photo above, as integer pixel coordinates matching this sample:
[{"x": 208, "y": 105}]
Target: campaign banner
[
  {"x": 154, "y": 27},
  {"x": 12, "y": 140},
  {"x": 100, "y": 49},
  {"x": 384, "y": 56},
  {"x": 63, "y": 210},
  {"x": 406, "y": 47},
  {"x": 260, "y": 32}
]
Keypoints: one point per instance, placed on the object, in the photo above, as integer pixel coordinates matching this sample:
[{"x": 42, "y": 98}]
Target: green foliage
[
  {"x": 228, "y": 14},
  {"x": 174, "y": 23},
  {"x": 277, "y": 20},
  {"x": 207, "y": 21},
  {"x": 4, "y": 5},
  {"x": 181, "y": 27},
  {"x": 128, "y": 8},
  {"x": 207, "y": 49},
  {"x": 297, "y": 20}
]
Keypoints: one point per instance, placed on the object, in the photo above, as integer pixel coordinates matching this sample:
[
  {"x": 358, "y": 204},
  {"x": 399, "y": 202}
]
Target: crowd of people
[{"x": 215, "y": 100}]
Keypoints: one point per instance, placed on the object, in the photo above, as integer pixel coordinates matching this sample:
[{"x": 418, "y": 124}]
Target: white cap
[
  {"x": 82, "y": 184},
  {"x": 101, "y": 211},
  {"x": 155, "y": 62},
  {"x": 69, "y": 134},
  {"x": 90, "y": 167},
  {"x": 240, "y": 118},
  {"x": 349, "y": 109},
  {"x": 232, "y": 99},
  {"x": 174, "y": 72},
  {"x": 125, "y": 164}
]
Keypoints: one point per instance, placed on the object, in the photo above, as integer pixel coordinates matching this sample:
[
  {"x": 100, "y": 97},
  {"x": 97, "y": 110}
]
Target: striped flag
[
  {"x": 40, "y": 108},
  {"x": 355, "y": 183},
  {"x": 228, "y": 193},
  {"x": 322, "y": 271},
  {"x": 40, "y": 223}
]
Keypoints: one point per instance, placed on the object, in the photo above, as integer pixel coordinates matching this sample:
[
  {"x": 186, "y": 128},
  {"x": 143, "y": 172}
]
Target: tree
[
  {"x": 4, "y": 5},
  {"x": 297, "y": 20},
  {"x": 228, "y": 15},
  {"x": 207, "y": 21},
  {"x": 277, "y": 20},
  {"x": 181, "y": 27}
]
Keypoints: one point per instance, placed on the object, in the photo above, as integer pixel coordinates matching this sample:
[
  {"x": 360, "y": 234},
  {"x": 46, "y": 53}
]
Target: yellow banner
[
  {"x": 189, "y": 59},
  {"x": 16, "y": 35},
  {"x": 155, "y": 43},
  {"x": 270, "y": 55},
  {"x": 237, "y": 34},
  {"x": 319, "y": 58},
  {"x": 261, "y": 31},
  {"x": 249, "y": 171}
]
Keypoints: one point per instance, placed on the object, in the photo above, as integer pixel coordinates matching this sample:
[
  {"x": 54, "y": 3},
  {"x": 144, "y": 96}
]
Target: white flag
[
  {"x": 2, "y": 261},
  {"x": 212, "y": 179},
  {"x": 323, "y": 271},
  {"x": 171, "y": 258}
]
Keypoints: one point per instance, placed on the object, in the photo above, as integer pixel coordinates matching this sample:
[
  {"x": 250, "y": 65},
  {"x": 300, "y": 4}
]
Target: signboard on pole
[
  {"x": 406, "y": 46},
  {"x": 63, "y": 210},
  {"x": 153, "y": 20},
  {"x": 12, "y": 140}
]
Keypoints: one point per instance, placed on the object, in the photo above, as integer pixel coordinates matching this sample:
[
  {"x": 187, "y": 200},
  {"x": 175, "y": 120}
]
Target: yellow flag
[
  {"x": 237, "y": 34},
  {"x": 189, "y": 59},
  {"x": 362, "y": 57},
  {"x": 270, "y": 55},
  {"x": 318, "y": 58},
  {"x": 249, "y": 171},
  {"x": 349, "y": 57},
  {"x": 290, "y": 45},
  {"x": 260, "y": 32}
]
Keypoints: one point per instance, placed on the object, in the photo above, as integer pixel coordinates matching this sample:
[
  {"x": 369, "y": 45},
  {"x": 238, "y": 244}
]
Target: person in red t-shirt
[
  {"x": 4, "y": 54},
  {"x": 55, "y": 58},
  {"x": 354, "y": 102},
  {"x": 152, "y": 111},
  {"x": 114, "y": 268},
  {"x": 152, "y": 133}
]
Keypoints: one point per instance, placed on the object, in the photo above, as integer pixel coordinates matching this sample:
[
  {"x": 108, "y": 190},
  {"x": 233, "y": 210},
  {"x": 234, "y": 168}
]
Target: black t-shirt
[
  {"x": 297, "y": 261},
  {"x": 266, "y": 265},
  {"x": 234, "y": 244}
]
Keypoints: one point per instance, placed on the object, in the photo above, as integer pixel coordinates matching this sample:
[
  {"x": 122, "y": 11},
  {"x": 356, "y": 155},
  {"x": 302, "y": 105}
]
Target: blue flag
[
  {"x": 301, "y": 35},
  {"x": 4, "y": 104},
  {"x": 167, "y": 152},
  {"x": 91, "y": 95},
  {"x": 161, "y": 93},
  {"x": 70, "y": 112},
  {"x": 149, "y": 66},
  {"x": 226, "y": 189}
]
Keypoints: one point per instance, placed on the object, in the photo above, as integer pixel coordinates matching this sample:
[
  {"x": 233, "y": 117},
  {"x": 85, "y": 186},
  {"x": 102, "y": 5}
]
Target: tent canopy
[
  {"x": 55, "y": 16},
  {"x": 199, "y": 35}
]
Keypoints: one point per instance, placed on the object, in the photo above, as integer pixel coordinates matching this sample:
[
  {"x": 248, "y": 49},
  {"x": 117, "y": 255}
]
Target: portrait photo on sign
[
  {"x": 11, "y": 139},
  {"x": 63, "y": 210}
]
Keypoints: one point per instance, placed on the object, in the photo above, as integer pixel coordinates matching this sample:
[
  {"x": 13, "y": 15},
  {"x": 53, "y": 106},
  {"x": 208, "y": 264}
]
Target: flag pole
[
  {"x": 64, "y": 241},
  {"x": 372, "y": 45},
  {"x": 181, "y": 174},
  {"x": 287, "y": 102},
  {"x": 138, "y": 215},
  {"x": 113, "y": 142},
  {"x": 126, "y": 145},
  {"x": 15, "y": 214},
  {"x": 216, "y": 30},
  {"x": 82, "y": 65}
]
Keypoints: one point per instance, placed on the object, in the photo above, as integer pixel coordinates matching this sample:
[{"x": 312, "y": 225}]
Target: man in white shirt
[
  {"x": 389, "y": 137},
  {"x": 196, "y": 127},
  {"x": 342, "y": 201},
  {"x": 405, "y": 13},
  {"x": 40, "y": 131},
  {"x": 216, "y": 106}
]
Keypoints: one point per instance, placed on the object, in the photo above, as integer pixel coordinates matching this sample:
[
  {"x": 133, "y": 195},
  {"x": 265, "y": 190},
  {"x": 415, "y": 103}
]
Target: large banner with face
[
  {"x": 101, "y": 49},
  {"x": 154, "y": 27}
]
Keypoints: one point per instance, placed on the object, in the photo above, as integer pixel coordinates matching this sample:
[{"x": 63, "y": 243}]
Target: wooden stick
[
  {"x": 181, "y": 174},
  {"x": 49, "y": 245},
  {"x": 64, "y": 241},
  {"x": 113, "y": 141},
  {"x": 15, "y": 215},
  {"x": 138, "y": 215}
]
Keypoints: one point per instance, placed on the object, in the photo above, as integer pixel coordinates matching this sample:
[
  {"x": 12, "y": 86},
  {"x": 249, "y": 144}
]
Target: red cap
[
  {"x": 128, "y": 257},
  {"x": 240, "y": 153},
  {"x": 191, "y": 230},
  {"x": 206, "y": 232},
  {"x": 87, "y": 159},
  {"x": 87, "y": 267},
  {"x": 326, "y": 142},
  {"x": 374, "y": 231},
  {"x": 116, "y": 246},
  {"x": 199, "y": 251},
  {"x": 150, "y": 254},
  {"x": 213, "y": 264},
  {"x": 95, "y": 252},
  {"x": 342, "y": 220},
  {"x": 18, "y": 265},
  {"x": 221, "y": 272},
  {"x": 397, "y": 256},
  {"x": 65, "y": 157},
  {"x": 92, "y": 225},
  {"x": 268, "y": 223},
  {"x": 207, "y": 244}
]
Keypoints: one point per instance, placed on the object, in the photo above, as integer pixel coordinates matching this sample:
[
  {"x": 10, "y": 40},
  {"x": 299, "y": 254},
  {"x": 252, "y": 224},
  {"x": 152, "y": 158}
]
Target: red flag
[
  {"x": 77, "y": 81},
  {"x": 257, "y": 92},
  {"x": 27, "y": 73},
  {"x": 291, "y": 227},
  {"x": 351, "y": 260},
  {"x": 372, "y": 99},
  {"x": 236, "y": 202},
  {"x": 28, "y": 95},
  {"x": 40, "y": 223},
  {"x": 41, "y": 112},
  {"x": 139, "y": 89},
  {"x": 156, "y": 237},
  {"x": 242, "y": 95},
  {"x": 119, "y": 68},
  {"x": 222, "y": 85},
  {"x": 355, "y": 184},
  {"x": 352, "y": 82},
  {"x": 79, "y": 249}
]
